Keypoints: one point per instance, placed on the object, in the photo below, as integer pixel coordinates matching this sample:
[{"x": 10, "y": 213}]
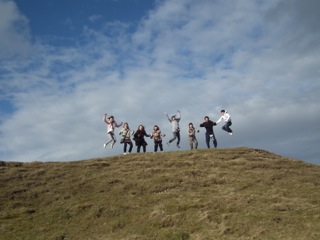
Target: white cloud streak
[{"x": 197, "y": 56}]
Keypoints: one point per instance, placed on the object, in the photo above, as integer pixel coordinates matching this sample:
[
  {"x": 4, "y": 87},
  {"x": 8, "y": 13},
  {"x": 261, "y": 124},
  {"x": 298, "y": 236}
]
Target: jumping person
[
  {"x": 225, "y": 116},
  {"x": 174, "y": 120},
  {"x": 192, "y": 136},
  {"x": 157, "y": 136},
  {"x": 139, "y": 138},
  {"x": 126, "y": 133},
  {"x": 208, "y": 125},
  {"x": 111, "y": 125}
]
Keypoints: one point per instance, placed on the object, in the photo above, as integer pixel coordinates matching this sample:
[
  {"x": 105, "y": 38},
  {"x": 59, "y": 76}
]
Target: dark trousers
[
  {"x": 158, "y": 144},
  {"x": 226, "y": 127},
  {"x": 208, "y": 136},
  {"x": 125, "y": 146},
  {"x": 144, "y": 147}
]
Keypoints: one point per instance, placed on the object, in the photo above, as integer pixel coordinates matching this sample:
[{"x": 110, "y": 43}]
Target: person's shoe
[
  {"x": 124, "y": 153},
  {"x": 104, "y": 145},
  {"x": 178, "y": 146},
  {"x": 168, "y": 143},
  {"x": 230, "y": 133}
]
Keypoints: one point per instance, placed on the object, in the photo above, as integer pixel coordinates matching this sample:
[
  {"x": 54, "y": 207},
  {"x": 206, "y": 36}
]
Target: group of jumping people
[{"x": 139, "y": 136}]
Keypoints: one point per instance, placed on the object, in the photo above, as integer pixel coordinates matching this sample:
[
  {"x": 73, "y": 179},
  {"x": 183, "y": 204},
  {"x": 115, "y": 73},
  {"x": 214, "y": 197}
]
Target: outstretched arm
[{"x": 118, "y": 125}]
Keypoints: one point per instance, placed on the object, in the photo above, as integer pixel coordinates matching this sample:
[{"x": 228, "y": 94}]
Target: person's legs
[
  {"x": 111, "y": 139},
  {"x": 125, "y": 147},
  {"x": 138, "y": 148},
  {"x": 208, "y": 140},
  {"x": 144, "y": 146},
  {"x": 215, "y": 143},
  {"x": 195, "y": 143},
  {"x": 178, "y": 137},
  {"x": 131, "y": 146},
  {"x": 160, "y": 146},
  {"x": 191, "y": 143},
  {"x": 156, "y": 146},
  {"x": 227, "y": 128},
  {"x": 174, "y": 137}
]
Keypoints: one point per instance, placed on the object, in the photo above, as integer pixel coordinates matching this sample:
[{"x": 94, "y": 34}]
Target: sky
[{"x": 64, "y": 64}]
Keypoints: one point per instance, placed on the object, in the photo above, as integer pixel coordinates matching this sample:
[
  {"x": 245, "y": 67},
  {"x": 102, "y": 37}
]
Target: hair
[
  {"x": 223, "y": 110},
  {"x": 110, "y": 117},
  {"x": 206, "y": 117},
  {"x": 174, "y": 116},
  {"x": 190, "y": 124}
]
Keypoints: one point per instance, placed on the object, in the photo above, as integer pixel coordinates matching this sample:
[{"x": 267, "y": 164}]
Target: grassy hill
[{"x": 238, "y": 193}]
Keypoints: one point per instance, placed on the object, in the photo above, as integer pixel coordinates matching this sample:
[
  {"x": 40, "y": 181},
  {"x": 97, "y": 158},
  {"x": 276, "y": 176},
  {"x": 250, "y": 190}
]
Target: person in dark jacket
[
  {"x": 139, "y": 138},
  {"x": 208, "y": 125}
]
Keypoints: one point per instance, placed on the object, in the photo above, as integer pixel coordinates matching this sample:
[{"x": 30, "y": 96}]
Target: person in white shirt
[{"x": 225, "y": 116}]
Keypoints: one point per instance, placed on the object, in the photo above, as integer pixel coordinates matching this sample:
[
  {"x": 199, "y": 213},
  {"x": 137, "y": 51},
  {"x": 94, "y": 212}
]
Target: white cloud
[
  {"x": 14, "y": 31},
  {"x": 197, "y": 56}
]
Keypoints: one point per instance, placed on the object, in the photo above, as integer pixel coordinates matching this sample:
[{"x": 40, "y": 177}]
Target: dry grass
[{"x": 239, "y": 193}]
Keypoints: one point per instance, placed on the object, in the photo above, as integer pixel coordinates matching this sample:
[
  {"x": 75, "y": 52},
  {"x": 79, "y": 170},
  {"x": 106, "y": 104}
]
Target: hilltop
[{"x": 238, "y": 193}]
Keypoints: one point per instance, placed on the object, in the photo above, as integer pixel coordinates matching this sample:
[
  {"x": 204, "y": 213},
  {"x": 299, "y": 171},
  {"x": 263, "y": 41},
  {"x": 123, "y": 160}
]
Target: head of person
[
  {"x": 141, "y": 127},
  {"x": 111, "y": 119},
  {"x": 190, "y": 125},
  {"x": 155, "y": 128},
  {"x": 223, "y": 112},
  {"x": 173, "y": 118},
  {"x": 206, "y": 118},
  {"x": 126, "y": 125}
]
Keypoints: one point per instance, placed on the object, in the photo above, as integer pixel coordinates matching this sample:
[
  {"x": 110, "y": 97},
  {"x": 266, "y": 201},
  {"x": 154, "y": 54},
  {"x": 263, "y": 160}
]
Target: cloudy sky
[{"x": 63, "y": 64}]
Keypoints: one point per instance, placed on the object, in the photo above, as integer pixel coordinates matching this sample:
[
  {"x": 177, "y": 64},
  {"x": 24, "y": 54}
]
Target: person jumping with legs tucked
[{"x": 225, "y": 116}]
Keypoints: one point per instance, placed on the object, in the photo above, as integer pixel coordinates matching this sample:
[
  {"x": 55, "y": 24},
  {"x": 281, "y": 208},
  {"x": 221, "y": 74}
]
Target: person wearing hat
[
  {"x": 111, "y": 125},
  {"x": 174, "y": 120},
  {"x": 208, "y": 125}
]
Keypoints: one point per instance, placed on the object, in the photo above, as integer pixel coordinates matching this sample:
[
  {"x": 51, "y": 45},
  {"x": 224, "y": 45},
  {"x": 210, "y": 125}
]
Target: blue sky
[{"x": 63, "y": 64}]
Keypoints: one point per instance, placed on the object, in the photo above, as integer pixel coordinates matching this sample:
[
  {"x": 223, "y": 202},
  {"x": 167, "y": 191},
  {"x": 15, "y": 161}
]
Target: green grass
[{"x": 238, "y": 193}]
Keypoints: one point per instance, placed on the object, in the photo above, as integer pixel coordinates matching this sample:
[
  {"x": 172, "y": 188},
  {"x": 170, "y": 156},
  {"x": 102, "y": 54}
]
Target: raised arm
[
  {"x": 168, "y": 116},
  {"x": 178, "y": 117},
  {"x": 105, "y": 119}
]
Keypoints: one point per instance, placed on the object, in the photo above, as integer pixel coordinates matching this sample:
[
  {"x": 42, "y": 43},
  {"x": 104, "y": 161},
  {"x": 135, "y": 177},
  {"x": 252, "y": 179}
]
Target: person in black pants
[
  {"x": 139, "y": 139},
  {"x": 208, "y": 125}
]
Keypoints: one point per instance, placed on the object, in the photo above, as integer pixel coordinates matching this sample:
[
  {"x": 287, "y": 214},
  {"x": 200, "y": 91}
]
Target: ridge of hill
[{"x": 238, "y": 193}]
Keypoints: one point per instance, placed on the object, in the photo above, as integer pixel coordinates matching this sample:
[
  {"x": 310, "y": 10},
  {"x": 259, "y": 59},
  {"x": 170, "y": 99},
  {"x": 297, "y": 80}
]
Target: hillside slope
[{"x": 239, "y": 193}]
